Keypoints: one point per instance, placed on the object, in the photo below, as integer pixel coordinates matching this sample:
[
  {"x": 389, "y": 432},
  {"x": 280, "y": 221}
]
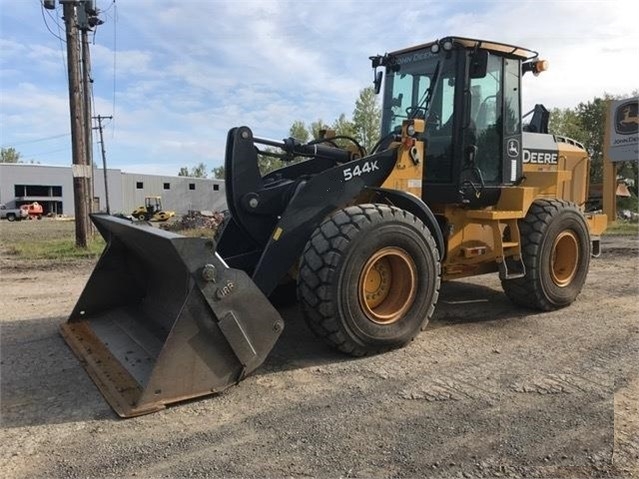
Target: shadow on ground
[{"x": 42, "y": 382}]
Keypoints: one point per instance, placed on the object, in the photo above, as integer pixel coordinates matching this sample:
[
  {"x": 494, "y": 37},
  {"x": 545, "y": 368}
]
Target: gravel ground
[{"x": 487, "y": 390}]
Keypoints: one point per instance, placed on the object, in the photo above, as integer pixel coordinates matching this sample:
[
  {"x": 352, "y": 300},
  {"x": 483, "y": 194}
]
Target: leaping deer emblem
[{"x": 627, "y": 119}]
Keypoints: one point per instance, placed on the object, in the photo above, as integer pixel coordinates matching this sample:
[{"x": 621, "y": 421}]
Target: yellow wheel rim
[
  {"x": 564, "y": 258},
  {"x": 387, "y": 285}
]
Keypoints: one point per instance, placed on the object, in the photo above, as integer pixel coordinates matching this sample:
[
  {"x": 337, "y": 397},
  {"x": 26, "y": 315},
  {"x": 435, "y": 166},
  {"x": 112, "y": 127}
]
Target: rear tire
[
  {"x": 369, "y": 279},
  {"x": 11, "y": 217},
  {"x": 555, "y": 244}
]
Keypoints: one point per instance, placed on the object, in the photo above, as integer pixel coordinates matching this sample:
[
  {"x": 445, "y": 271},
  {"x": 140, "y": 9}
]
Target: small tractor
[
  {"x": 152, "y": 210},
  {"x": 457, "y": 186}
]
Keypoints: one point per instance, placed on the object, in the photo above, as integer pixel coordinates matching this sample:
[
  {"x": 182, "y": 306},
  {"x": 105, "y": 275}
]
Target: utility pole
[
  {"x": 86, "y": 89},
  {"x": 104, "y": 164},
  {"x": 80, "y": 15},
  {"x": 80, "y": 164},
  {"x": 87, "y": 19}
]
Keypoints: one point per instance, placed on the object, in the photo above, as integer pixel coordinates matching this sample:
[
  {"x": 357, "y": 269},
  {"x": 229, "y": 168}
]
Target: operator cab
[
  {"x": 468, "y": 91},
  {"x": 153, "y": 204}
]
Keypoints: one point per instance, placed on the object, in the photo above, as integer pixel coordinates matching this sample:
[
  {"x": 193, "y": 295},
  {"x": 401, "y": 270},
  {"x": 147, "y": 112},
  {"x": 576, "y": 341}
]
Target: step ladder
[{"x": 508, "y": 257}]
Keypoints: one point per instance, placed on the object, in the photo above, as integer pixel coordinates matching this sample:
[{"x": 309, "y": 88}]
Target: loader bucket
[{"x": 163, "y": 319}]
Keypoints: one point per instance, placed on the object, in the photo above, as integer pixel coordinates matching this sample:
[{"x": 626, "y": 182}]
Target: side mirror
[
  {"x": 478, "y": 64},
  {"x": 378, "y": 81}
]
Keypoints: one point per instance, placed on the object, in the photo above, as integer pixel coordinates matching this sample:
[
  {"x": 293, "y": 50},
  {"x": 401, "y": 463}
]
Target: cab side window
[
  {"x": 512, "y": 107},
  {"x": 486, "y": 119},
  {"x": 439, "y": 129}
]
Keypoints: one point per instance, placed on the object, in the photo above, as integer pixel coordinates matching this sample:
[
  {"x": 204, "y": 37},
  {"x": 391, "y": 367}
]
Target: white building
[{"x": 52, "y": 187}]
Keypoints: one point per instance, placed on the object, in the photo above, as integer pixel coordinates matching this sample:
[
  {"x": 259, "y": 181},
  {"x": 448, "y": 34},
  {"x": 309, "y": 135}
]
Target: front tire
[
  {"x": 11, "y": 217},
  {"x": 555, "y": 244},
  {"x": 369, "y": 279}
]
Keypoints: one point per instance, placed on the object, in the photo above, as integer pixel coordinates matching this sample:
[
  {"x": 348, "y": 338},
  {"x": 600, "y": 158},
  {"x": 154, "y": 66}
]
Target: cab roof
[{"x": 519, "y": 52}]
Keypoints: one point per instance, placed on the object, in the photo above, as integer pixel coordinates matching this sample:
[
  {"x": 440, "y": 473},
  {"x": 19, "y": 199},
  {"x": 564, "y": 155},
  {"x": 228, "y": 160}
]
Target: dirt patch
[{"x": 487, "y": 390}]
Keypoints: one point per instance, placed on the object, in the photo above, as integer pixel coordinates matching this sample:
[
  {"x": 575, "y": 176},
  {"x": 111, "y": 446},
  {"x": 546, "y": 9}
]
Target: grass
[
  {"x": 623, "y": 228},
  {"x": 55, "y": 240},
  {"x": 57, "y": 249},
  {"x": 45, "y": 240}
]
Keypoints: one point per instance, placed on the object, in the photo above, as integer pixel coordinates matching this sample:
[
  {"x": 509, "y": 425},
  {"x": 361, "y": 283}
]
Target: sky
[{"x": 176, "y": 75}]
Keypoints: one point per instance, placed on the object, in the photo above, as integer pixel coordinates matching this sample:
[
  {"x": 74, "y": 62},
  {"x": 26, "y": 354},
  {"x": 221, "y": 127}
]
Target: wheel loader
[{"x": 457, "y": 186}]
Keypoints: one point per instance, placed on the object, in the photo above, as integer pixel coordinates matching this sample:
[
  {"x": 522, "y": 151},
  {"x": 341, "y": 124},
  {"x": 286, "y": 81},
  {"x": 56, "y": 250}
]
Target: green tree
[
  {"x": 367, "y": 118},
  {"x": 198, "y": 171},
  {"x": 566, "y": 122},
  {"x": 299, "y": 132},
  {"x": 267, "y": 163},
  {"x": 593, "y": 119},
  {"x": 344, "y": 127},
  {"x": 10, "y": 155},
  {"x": 218, "y": 172},
  {"x": 585, "y": 123}
]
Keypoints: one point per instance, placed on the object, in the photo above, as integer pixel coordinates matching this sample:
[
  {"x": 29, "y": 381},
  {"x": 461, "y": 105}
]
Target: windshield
[{"x": 406, "y": 89}]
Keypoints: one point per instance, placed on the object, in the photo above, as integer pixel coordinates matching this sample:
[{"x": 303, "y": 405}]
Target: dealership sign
[{"x": 623, "y": 129}]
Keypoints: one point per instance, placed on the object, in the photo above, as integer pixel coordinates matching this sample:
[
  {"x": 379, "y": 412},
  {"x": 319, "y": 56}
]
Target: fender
[
  {"x": 312, "y": 201},
  {"x": 414, "y": 205}
]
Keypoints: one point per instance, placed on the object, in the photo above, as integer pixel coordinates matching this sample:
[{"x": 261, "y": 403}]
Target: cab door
[{"x": 494, "y": 124}]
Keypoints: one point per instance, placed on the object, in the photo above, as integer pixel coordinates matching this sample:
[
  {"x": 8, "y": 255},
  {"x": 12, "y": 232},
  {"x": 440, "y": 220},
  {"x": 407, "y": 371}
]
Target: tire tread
[
  {"x": 527, "y": 291},
  {"x": 328, "y": 244}
]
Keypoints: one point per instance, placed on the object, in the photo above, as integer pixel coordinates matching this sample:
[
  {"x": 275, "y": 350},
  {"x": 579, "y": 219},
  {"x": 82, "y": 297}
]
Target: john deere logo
[
  {"x": 627, "y": 118},
  {"x": 513, "y": 148}
]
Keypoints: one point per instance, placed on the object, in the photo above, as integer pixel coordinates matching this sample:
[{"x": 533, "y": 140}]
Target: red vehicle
[{"x": 34, "y": 210}]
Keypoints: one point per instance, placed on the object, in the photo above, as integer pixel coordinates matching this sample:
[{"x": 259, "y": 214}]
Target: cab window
[{"x": 486, "y": 120}]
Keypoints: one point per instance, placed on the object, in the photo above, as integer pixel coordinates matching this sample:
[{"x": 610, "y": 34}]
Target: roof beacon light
[
  {"x": 434, "y": 48},
  {"x": 540, "y": 66},
  {"x": 536, "y": 67},
  {"x": 447, "y": 45}
]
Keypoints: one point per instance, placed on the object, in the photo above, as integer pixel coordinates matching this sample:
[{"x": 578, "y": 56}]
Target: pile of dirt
[{"x": 195, "y": 220}]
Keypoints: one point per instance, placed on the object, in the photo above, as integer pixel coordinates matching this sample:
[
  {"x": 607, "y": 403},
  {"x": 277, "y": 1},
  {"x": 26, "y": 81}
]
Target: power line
[
  {"x": 62, "y": 52},
  {"x": 47, "y": 25},
  {"x": 66, "y": 148},
  {"x": 95, "y": 29},
  {"x": 115, "y": 34},
  {"x": 55, "y": 20},
  {"x": 25, "y": 142},
  {"x": 110, "y": 7},
  {"x": 58, "y": 36}
]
